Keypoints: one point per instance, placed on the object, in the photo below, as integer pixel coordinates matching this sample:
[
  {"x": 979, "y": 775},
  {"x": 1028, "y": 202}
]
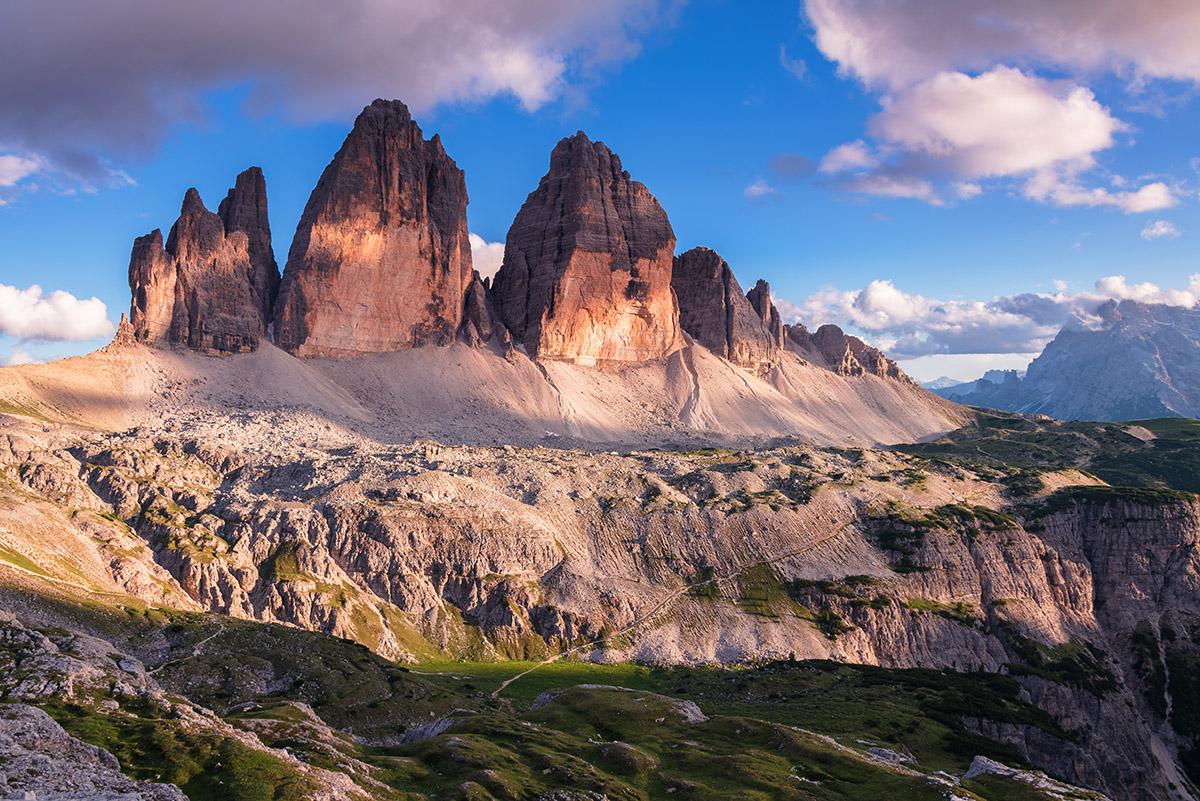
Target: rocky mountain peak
[
  {"x": 1139, "y": 363},
  {"x": 586, "y": 276},
  {"x": 744, "y": 329},
  {"x": 381, "y": 257},
  {"x": 842, "y": 353},
  {"x": 244, "y": 209},
  {"x": 211, "y": 287}
]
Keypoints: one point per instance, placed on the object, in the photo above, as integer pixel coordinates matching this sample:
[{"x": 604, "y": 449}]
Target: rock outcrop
[
  {"x": 40, "y": 760},
  {"x": 1139, "y": 362},
  {"x": 843, "y": 354},
  {"x": 212, "y": 287},
  {"x": 745, "y": 329},
  {"x": 586, "y": 276},
  {"x": 381, "y": 257}
]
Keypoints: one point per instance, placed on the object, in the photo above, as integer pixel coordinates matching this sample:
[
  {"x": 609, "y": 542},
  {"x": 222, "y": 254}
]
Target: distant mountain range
[{"x": 1142, "y": 362}]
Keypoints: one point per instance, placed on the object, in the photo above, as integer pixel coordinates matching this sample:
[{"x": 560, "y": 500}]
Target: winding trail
[
  {"x": 676, "y": 594},
  {"x": 195, "y": 650},
  {"x": 673, "y": 596}
]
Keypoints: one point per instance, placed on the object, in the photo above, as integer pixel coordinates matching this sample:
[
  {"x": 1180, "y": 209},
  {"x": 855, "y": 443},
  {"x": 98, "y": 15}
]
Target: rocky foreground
[{"x": 671, "y": 557}]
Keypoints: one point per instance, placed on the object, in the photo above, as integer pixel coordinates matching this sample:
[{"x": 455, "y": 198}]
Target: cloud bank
[
  {"x": 962, "y": 100},
  {"x": 908, "y": 325},
  {"x": 102, "y": 82},
  {"x": 30, "y": 315}
]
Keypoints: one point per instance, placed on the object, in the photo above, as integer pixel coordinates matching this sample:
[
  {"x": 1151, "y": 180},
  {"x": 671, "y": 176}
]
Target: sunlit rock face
[
  {"x": 843, "y": 354},
  {"x": 381, "y": 257},
  {"x": 587, "y": 264},
  {"x": 212, "y": 287},
  {"x": 745, "y": 329}
]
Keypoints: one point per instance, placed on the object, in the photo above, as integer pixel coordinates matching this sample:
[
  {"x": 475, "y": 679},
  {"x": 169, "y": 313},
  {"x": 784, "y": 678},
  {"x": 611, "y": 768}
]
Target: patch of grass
[
  {"x": 958, "y": 611},
  {"x": 1067, "y": 497},
  {"x": 1148, "y": 664},
  {"x": 1023, "y": 448},
  {"x": 151, "y": 746},
  {"x": 1076, "y": 664}
]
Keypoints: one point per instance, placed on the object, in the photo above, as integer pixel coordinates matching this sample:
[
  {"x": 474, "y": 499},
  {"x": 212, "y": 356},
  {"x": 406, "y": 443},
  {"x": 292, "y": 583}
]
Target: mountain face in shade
[
  {"x": 586, "y": 276},
  {"x": 212, "y": 287},
  {"x": 1143, "y": 361},
  {"x": 381, "y": 258},
  {"x": 713, "y": 311}
]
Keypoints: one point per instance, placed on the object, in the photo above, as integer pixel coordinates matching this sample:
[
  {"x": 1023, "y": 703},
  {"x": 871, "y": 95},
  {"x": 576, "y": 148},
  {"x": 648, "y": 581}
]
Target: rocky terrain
[
  {"x": 1140, "y": 363},
  {"x": 667, "y": 557},
  {"x": 336, "y": 553}
]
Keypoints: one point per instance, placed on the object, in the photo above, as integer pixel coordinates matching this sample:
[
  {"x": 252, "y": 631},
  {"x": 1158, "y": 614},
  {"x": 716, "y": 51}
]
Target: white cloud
[
  {"x": 29, "y": 315},
  {"x": 760, "y": 190},
  {"x": 486, "y": 256},
  {"x": 18, "y": 356},
  {"x": 104, "y": 81},
  {"x": 1002, "y": 122},
  {"x": 962, "y": 99},
  {"x": 14, "y": 168},
  {"x": 893, "y": 43},
  {"x": 1159, "y": 229},
  {"x": 886, "y": 185},
  {"x": 909, "y": 326},
  {"x": 850, "y": 157},
  {"x": 1114, "y": 286}
]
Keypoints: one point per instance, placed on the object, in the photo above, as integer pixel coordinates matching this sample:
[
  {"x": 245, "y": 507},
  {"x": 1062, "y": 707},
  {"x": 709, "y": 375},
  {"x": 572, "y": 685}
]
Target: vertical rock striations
[
  {"x": 745, "y": 329},
  {"x": 381, "y": 258},
  {"x": 587, "y": 264},
  {"x": 212, "y": 286}
]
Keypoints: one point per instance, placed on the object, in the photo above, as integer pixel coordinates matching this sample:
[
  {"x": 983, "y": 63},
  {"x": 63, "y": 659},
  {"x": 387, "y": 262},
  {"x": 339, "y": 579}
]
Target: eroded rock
[
  {"x": 587, "y": 264},
  {"x": 381, "y": 257}
]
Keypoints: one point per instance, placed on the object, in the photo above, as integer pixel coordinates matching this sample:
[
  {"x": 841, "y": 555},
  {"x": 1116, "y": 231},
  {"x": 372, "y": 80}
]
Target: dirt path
[
  {"x": 672, "y": 596},
  {"x": 678, "y": 593},
  {"x": 195, "y": 650}
]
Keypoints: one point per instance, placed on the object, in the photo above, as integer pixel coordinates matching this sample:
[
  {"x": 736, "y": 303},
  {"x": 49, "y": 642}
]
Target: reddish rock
[
  {"x": 745, "y": 329},
  {"x": 381, "y": 258},
  {"x": 211, "y": 287},
  {"x": 586, "y": 276}
]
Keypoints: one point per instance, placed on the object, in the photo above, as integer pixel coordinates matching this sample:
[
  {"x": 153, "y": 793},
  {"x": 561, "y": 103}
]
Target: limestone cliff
[
  {"x": 212, "y": 287},
  {"x": 586, "y": 276},
  {"x": 381, "y": 257},
  {"x": 745, "y": 329}
]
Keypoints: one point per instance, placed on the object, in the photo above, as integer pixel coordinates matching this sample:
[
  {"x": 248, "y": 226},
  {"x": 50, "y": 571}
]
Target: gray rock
[{"x": 40, "y": 760}]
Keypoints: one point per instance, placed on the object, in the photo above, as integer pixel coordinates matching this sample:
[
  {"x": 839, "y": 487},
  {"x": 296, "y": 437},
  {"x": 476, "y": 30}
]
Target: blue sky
[{"x": 951, "y": 180}]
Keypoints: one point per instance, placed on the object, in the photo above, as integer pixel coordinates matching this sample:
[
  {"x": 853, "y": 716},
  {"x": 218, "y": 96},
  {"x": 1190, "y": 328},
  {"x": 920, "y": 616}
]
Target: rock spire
[
  {"x": 212, "y": 286},
  {"x": 586, "y": 276},
  {"x": 381, "y": 258},
  {"x": 745, "y": 329}
]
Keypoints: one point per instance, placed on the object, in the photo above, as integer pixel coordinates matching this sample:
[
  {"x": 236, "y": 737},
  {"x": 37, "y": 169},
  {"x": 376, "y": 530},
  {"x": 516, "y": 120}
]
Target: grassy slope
[{"x": 1013, "y": 443}]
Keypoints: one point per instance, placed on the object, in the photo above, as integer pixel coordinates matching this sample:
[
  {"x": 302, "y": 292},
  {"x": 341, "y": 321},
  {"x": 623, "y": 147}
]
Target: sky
[{"x": 952, "y": 180}]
